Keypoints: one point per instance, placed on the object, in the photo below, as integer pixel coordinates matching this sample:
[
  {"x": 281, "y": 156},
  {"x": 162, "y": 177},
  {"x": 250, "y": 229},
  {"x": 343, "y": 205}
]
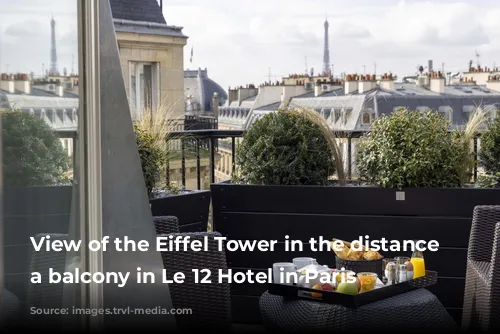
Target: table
[{"x": 415, "y": 310}]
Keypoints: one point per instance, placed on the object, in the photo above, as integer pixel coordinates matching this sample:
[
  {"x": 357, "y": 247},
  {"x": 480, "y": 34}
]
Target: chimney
[
  {"x": 22, "y": 84},
  {"x": 351, "y": 84},
  {"x": 245, "y": 93},
  {"x": 387, "y": 82},
  {"x": 367, "y": 83},
  {"x": 430, "y": 66},
  {"x": 60, "y": 90},
  {"x": 215, "y": 105},
  {"x": 493, "y": 83},
  {"x": 232, "y": 95},
  {"x": 437, "y": 83},
  {"x": 7, "y": 84}
]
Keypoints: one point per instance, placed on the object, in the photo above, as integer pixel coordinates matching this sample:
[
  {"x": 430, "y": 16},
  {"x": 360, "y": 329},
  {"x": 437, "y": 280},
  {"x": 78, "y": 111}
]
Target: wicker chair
[
  {"x": 45, "y": 294},
  {"x": 210, "y": 303},
  {"x": 11, "y": 307},
  {"x": 482, "y": 285},
  {"x": 166, "y": 224}
]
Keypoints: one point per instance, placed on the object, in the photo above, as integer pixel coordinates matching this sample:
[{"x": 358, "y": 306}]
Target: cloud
[
  {"x": 349, "y": 30},
  {"x": 26, "y": 29},
  {"x": 239, "y": 41},
  {"x": 397, "y": 35}
]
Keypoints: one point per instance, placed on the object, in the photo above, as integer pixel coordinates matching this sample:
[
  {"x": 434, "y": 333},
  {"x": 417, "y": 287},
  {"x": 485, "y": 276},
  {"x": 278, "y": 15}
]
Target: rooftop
[
  {"x": 142, "y": 17},
  {"x": 201, "y": 89},
  {"x": 133, "y": 10}
]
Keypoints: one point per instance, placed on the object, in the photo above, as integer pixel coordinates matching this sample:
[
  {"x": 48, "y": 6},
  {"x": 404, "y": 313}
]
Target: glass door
[{"x": 50, "y": 162}]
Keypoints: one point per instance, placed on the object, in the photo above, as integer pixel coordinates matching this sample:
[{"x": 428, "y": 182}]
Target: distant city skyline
[
  {"x": 25, "y": 35},
  {"x": 239, "y": 42},
  {"x": 242, "y": 43}
]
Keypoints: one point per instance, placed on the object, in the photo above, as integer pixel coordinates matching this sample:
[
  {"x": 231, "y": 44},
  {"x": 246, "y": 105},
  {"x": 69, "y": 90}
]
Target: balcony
[
  {"x": 107, "y": 194},
  {"x": 242, "y": 212}
]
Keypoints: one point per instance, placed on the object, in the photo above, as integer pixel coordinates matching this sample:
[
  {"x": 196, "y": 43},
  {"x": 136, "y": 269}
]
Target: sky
[{"x": 243, "y": 42}]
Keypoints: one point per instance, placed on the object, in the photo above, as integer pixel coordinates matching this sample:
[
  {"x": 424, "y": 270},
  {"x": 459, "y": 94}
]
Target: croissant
[
  {"x": 347, "y": 253},
  {"x": 354, "y": 255},
  {"x": 371, "y": 255},
  {"x": 344, "y": 250}
]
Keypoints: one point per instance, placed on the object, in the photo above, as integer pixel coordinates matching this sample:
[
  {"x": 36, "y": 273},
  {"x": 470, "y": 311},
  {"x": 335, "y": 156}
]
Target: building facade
[
  {"x": 353, "y": 104},
  {"x": 151, "y": 55}
]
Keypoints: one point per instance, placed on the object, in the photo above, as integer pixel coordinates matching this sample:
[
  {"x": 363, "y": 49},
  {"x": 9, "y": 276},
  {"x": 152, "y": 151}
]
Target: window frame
[
  {"x": 89, "y": 151},
  {"x": 136, "y": 68}
]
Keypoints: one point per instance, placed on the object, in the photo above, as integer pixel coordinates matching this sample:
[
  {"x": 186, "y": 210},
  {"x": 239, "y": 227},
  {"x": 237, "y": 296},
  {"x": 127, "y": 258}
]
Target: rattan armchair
[
  {"x": 482, "y": 286},
  {"x": 46, "y": 295},
  {"x": 210, "y": 303},
  {"x": 166, "y": 224}
]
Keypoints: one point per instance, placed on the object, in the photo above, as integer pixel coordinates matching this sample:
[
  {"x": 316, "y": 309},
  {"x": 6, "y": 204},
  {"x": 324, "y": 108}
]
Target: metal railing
[
  {"x": 213, "y": 136},
  {"x": 194, "y": 144},
  {"x": 199, "y": 137}
]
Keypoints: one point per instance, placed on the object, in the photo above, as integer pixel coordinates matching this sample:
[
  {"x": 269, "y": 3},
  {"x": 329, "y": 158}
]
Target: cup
[
  {"x": 367, "y": 281},
  {"x": 301, "y": 262},
  {"x": 280, "y": 270}
]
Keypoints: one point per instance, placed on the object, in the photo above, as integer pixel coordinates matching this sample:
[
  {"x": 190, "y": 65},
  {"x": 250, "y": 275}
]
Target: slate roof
[
  {"x": 345, "y": 112},
  {"x": 270, "y": 107},
  {"x": 202, "y": 88},
  {"x": 137, "y": 10},
  {"x": 60, "y": 113}
]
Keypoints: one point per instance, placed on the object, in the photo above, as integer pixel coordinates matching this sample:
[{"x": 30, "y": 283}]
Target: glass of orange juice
[
  {"x": 417, "y": 259},
  {"x": 368, "y": 281}
]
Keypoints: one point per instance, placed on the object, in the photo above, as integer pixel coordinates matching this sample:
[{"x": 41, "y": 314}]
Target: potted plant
[
  {"x": 490, "y": 156},
  {"x": 191, "y": 207},
  {"x": 415, "y": 185}
]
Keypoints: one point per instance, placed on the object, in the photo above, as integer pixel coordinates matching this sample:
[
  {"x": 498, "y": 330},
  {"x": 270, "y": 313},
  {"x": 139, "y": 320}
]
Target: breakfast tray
[{"x": 353, "y": 301}]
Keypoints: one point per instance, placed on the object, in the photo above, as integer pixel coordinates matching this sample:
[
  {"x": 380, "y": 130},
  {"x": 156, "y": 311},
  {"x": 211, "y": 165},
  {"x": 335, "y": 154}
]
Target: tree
[
  {"x": 286, "y": 148},
  {"x": 32, "y": 154}
]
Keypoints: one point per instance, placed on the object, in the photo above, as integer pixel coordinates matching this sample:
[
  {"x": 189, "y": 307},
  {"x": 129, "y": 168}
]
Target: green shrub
[
  {"x": 285, "y": 148},
  {"x": 489, "y": 153},
  {"x": 412, "y": 149},
  {"x": 32, "y": 154},
  {"x": 488, "y": 180},
  {"x": 152, "y": 158}
]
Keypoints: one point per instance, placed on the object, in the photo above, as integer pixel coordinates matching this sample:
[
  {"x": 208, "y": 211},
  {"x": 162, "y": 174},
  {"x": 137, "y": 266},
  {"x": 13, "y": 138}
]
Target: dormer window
[
  {"x": 65, "y": 118},
  {"x": 332, "y": 115},
  {"x": 337, "y": 113},
  {"x": 54, "y": 115},
  {"x": 325, "y": 113},
  {"x": 491, "y": 110},
  {"x": 446, "y": 112},
  {"x": 423, "y": 110},
  {"x": 468, "y": 110},
  {"x": 367, "y": 117},
  {"x": 346, "y": 113}
]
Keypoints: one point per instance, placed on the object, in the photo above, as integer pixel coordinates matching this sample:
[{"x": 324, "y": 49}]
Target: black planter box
[
  {"x": 28, "y": 211},
  {"x": 252, "y": 212},
  {"x": 190, "y": 208}
]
